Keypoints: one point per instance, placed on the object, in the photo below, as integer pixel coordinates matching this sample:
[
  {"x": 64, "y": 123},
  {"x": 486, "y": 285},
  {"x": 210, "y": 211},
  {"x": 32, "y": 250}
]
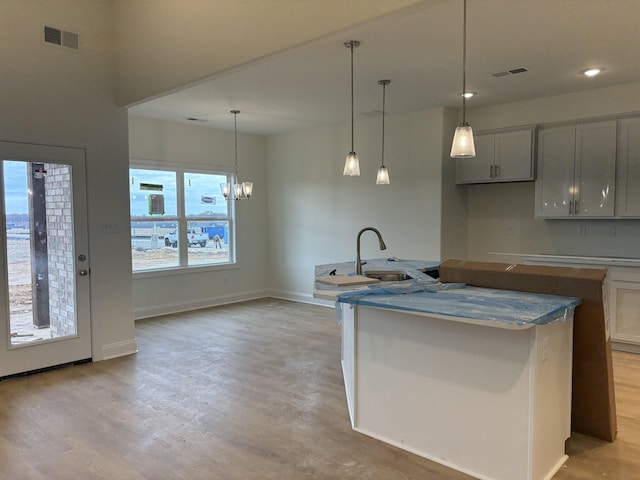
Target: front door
[{"x": 44, "y": 264}]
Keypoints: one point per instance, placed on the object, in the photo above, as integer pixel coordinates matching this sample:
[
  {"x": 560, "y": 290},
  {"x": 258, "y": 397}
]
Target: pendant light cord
[
  {"x": 464, "y": 64},
  {"x": 235, "y": 131},
  {"x": 352, "y": 144},
  {"x": 384, "y": 87}
]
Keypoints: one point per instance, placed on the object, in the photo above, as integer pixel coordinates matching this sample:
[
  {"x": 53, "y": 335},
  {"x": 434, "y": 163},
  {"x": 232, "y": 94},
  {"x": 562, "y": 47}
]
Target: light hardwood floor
[{"x": 246, "y": 391}]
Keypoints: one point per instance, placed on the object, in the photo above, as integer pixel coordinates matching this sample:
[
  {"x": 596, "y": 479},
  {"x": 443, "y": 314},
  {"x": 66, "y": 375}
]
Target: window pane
[
  {"x": 203, "y": 197},
  {"x": 154, "y": 245},
  {"x": 152, "y": 193},
  {"x": 208, "y": 242}
]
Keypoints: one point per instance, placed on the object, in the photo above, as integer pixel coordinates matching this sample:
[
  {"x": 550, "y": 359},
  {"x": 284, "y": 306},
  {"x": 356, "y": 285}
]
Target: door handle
[{"x": 83, "y": 273}]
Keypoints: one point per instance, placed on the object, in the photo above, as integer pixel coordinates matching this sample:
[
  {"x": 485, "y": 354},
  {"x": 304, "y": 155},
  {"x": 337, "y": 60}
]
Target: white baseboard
[
  {"x": 625, "y": 347},
  {"x": 119, "y": 349},
  {"x": 177, "y": 307}
]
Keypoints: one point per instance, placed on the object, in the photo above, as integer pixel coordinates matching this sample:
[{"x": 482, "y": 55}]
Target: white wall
[
  {"x": 454, "y": 205},
  {"x": 315, "y": 212},
  {"x": 162, "y": 141},
  {"x": 59, "y": 97},
  {"x": 495, "y": 210}
]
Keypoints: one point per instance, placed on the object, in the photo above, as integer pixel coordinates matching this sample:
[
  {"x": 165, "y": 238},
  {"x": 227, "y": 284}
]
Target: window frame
[{"x": 180, "y": 169}]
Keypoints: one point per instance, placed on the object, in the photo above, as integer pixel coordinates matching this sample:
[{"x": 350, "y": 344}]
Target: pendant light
[
  {"x": 383, "y": 174},
  {"x": 352, "y": 164},
  {"x": 238, "y": 190},
  {"x": 463, "y": 146}
]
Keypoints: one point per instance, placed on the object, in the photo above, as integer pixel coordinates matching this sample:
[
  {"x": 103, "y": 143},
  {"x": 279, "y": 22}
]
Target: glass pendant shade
[
  {"x": 463, "y": 145},
  {"x": 225, "y": 188},
  {"x": 383, "y": 176},
  {"x": 351, "y": 165},
  {"x": 238, "y": 194},
  {"x": 247, "y": 189}
]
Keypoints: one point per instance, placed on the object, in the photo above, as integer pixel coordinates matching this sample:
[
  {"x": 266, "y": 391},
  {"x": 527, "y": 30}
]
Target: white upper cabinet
[
  {"x": 477, "y": 169},
  {"x": 628, "y": 168},
  {"x": 500, "y": 157},
  {"x": 576, "y": 170}
]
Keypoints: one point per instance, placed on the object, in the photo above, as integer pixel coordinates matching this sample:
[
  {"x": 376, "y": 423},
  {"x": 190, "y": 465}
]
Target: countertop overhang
[{"x": 484, "y": 306}]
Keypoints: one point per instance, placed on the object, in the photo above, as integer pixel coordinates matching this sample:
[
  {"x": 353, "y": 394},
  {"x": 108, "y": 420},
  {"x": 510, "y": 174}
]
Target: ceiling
[{"x": 420, "y": 51}]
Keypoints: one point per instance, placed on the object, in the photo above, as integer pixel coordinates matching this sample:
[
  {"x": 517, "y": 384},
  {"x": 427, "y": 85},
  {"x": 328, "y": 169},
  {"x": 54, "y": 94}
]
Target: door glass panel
[{"x": 40, "y": 251}]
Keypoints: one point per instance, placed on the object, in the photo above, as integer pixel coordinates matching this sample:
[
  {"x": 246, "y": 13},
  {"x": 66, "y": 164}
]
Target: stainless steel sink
[{"x": 388, "y": 275}]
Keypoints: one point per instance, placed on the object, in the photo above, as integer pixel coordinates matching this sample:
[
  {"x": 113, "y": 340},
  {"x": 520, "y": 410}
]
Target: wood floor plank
[{"x": 246, "y": 391}]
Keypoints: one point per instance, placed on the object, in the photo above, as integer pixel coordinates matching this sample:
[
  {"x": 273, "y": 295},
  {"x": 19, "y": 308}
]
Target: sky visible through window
[
  {"x": 201, "y": 193},
  {"x": 15, "y": 187}
]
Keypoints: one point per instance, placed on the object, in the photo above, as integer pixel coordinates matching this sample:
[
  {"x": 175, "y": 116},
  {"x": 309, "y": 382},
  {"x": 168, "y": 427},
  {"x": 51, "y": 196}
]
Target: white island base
[{"x": 489, "y": 399}]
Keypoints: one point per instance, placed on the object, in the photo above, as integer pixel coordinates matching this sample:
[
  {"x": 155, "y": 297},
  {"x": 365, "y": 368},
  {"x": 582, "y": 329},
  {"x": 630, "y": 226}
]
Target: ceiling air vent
[
  {"x": 513, "y": 71},
  {"x": 61, "y": 38}
]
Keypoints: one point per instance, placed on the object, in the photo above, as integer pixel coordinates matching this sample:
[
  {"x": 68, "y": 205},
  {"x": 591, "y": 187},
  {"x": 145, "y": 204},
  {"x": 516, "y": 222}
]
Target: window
[{"x": 179, "y": 219}]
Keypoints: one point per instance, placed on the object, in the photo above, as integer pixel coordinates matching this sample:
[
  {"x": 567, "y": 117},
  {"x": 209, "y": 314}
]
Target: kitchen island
[{"x": 473, "y": 378}]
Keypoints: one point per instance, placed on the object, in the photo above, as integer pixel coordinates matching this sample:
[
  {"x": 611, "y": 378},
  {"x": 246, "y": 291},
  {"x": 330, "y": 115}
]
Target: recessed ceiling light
[
  {"x": 592, "y": 72},
  {"x": 468, "y": 94}
]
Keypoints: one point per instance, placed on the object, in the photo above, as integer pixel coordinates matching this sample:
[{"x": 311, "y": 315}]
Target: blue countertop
[{"x": 427, "y": 296}]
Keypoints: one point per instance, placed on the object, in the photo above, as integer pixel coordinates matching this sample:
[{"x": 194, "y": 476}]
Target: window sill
[{"x": 170, "y": 272}]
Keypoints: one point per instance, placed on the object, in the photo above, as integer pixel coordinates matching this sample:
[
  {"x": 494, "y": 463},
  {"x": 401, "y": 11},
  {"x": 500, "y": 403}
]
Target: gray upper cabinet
[
  {"x": 500, "y": 157},
  {"x": 576, "y": 170},
  {"x": 628, "y": 168}
]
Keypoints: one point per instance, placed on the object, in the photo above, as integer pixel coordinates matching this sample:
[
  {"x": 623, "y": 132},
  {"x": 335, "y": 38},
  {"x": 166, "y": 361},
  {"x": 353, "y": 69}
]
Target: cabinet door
[
  {"x": 514, "y": 156},
  {"x": 478, "y": 169},
  {"x": 625, "y": 311},
  {"x": 628, "y": 168},
  {"x": 595, "y": 169},
  {"x": 554, "y": 183}
]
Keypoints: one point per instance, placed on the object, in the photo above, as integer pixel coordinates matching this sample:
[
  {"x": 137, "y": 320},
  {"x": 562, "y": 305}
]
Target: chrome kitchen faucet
[{"x": 382, "y": 247}]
